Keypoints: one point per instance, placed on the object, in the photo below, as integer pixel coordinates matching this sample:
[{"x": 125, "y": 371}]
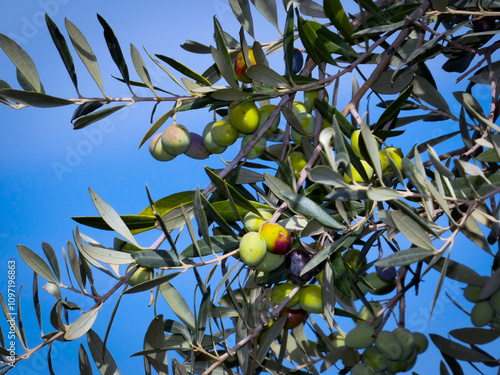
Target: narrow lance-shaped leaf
[
  {"x": 115, "y": 49},
  {"x": 22, "y": 61},
  {"x": 62, "y": 48},
  {"x": 411, "y": 230},
  {"x": 178, "y": 305},
  {"x": 140, "y": 68},
  {"x": 34, "y": 99},
  {"x": 269, "y": 10},
  {"x": 184, "y": 70},
  {"x": 83, "y": 361},
  {"x": 85, "y": 52},
  {"x": 405, "y": 257},
  {"x": 337, "y": 15},
  {"x": 201, "y": 219},
  {"x": 241, "y": 9},
  {"x": 82, "y": 325},
  {"x": 222, "y": 58},
  {"x": 52, "y": 257},
  {"x": 288, "y": 39},
  {"x": 36, "y": 263},
  {"x": 263, "y": 74},
  {"x": 111, "y": 217},
  {"x": 102, "y": 357}
]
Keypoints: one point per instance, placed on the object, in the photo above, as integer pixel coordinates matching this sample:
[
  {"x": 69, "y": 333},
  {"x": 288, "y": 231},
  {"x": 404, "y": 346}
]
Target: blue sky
[{"x": 47, "y": 167}]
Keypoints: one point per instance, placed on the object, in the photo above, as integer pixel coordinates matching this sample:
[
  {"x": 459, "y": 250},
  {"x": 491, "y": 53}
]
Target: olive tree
[{"x": 315, "y": 235}]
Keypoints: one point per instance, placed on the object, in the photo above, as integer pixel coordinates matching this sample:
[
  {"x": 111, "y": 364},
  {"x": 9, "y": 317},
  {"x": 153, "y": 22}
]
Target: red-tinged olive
[{"x": 295, "y": 317}]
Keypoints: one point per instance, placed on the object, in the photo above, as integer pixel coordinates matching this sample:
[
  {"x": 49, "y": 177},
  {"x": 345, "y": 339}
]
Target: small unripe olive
[
  {"x": 482, "y": 313},
  {"x": 366, "y": 315},
  {"x": 253, "y": 222},
  {"x": 256, "y": 150},
  {"x": 472, "y": 292},
  {"x": 157, "y": 151},
  {"x": 281, "y": 291},
  {"x": 406, "y": 338},
  {"x": 224, "y": 133},
  {"x": 311, "y": 298},
  {"x": 421, "y": 342},
  {"x": 350, "y": 357},
  {"x": 374, "y": 358},
  {"x": 252, "y": 248},
  {"x": 141, "y": 275},
  {"x": 270, "y": 262},
  {"x": 362, "y": 369},
  {"x": 209, "y": 143},
  {"x": 360, "y": 337},
  {"x": 389, "y": 345}
]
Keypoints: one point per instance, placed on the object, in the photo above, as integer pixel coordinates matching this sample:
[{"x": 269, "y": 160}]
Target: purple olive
[
  {"x": 298, "y": 61},
  {"x": 295, "y": 262},
  {"x": 387, "y": 274}
]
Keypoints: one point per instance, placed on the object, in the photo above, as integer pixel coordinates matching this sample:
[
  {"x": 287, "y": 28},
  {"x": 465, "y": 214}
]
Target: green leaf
[
  {"x": 203, "y": 316},
  {"x": 269, "y": 10},
  {"x": 62, "y": 48},
  {"x": 475, "y": 336},
  {"x": 157, "y": 125},
  {"x": 115, "y": 49},
  {"x": 195, "y": 47},
  {"x": 393, "y": 109},
  {"x": 382, "y": 194},
  {"x": 150, "y": 284},
  {"x": 411, "y": 230},
  {"x": 83, "y": 360},
  {"x": 136, "y": 223},
  {"x": 459, "y": 272},
  {"x": 267, "y": 76},
  {"x": 458, "y": 351},
  {"x": 241, "y": 9},
  {"x": 82, "y": 325},
  {"x": 299, "y": 203},
  {"x": 221, "y": 56},
  {"x": 140, "y": 68},
  {"x": 269, "y": 336},
  {"x": 155, "y": 258},
  {"x": 405, "y": 257},
  {"x": 36, "y": 263},
  {"x": 340, "y": 276},
  {"x": 105, "y": 255},
  {"x": 34, "y": 99},
  {"x": 288, "y": 39},
  {"x": 201, "y": 219},
  {"x": 184, "y": 70},
  {"x": 220, "y": 244},
  {"x": 85, "y": 52},
  {"x": 111, "y": 217},
  {"x": 22, "y": 61},
  {"x": 327, "y": 176},
  {"x": 75, "y": 264},
  {"x": 338, "y": 17},
  {"x": 52, "y": 258},
  {"x": 473, "y": 108},
  {"x": 372, "y": 148},
  {"x": 102, "y": 357},
  {"x": 178, "y": 305},
  {"x": 428, "y": 93},
  {"x": 86, "y": 120},
  {"x": 373, "y": 9}
]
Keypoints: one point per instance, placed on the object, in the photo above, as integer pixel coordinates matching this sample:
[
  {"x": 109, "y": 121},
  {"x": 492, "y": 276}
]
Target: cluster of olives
[
  {"x": 387, "y": 352},
  {"x": 393, "y": 153},
  {"x": 485, "y": 311}
]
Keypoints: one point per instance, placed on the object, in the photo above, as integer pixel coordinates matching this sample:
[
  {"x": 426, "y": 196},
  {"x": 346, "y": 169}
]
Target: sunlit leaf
[
  {"x": 178, "y": 305},
  {"x": 241, "y": 9},
  {"x": 268, "y": 9},
  {"x": 155, "y": 258},
  {"x": 34, "y": 99},
  {"x": 338, "y": 17},
  {"x": 136, "y": 223},
  {"x": 220, "y": 244},
  {"x": 411, "y": 230},
  {"x": 149, "y": 284},
  {"x": 82, "y": 325},
  {"x": 405, "y": 257},
  {"x": 36, "y": 263},
  {"x": 85, "y": 52},
  {"x": 263, "y": 74},
  {"x": 184, "y": 69}
]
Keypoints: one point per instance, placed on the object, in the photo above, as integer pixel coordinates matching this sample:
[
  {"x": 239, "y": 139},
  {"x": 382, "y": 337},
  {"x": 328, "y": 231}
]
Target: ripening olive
[
  {"x": 175, "y": 139},
  {"x": 240, "y": 67},
  {"x": 197, "y": 149},
  {"x": 295, "y": 317},
  {"x": 157, "y": 151},
  {"x": 277, "y": 238}
]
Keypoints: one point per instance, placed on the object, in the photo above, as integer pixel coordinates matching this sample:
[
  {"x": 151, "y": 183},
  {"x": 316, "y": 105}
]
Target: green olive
[
  {"x": 252, "y": 249},
  {"x": 360, "y": 337}
]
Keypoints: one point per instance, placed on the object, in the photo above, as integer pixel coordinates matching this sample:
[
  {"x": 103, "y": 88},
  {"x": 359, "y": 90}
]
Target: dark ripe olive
[
  {"x": 295, "y": 261},
  {"x": 480, "y": 24},
  {"x": 386, "y": 273},
  {"x": 298, "y": 61}
]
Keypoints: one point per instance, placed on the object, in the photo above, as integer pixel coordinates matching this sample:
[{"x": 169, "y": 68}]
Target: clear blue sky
[{"x": 38, "y": 198}]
